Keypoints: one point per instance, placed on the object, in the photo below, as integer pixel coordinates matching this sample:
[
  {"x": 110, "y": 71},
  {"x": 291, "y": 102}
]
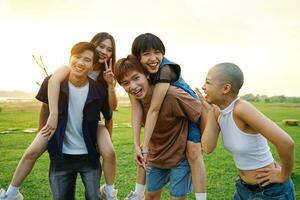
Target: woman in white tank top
[{"x": 245, "y": 132}]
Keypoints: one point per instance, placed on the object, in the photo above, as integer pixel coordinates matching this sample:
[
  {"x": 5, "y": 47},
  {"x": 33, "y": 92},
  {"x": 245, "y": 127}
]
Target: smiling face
[
  {"x": 213, "y": 87},
  {"x": 136, "y": 84},
  {"x": 151, "y": 60},
  {"x": 81, "y": 63},
  {"x": 105, "y": 50}
]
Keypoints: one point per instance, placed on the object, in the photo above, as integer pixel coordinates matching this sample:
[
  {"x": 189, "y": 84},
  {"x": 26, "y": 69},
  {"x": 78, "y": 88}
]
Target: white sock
[
  {"x": 200, "y": 196},
  {"x": 12, "y": 191},
  {"x": 109, "y": 188},
  {"x": 139, "y": 188}
]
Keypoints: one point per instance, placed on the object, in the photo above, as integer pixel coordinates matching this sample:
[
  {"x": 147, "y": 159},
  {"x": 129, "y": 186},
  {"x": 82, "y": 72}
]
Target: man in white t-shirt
[{"x": 73, "y": 147}]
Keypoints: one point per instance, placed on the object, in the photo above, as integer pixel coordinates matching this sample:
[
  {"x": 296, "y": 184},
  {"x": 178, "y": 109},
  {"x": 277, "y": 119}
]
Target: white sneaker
[
  {"x": 134, "y": 196},
  {"x": 111, "y": 196},
  {"x": 18, "y": 196}
]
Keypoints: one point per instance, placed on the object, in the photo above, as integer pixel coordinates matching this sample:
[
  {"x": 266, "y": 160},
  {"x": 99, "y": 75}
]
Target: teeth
[
  {"x": 153, "y": 65},
  {"x": 136, "y": 92}
]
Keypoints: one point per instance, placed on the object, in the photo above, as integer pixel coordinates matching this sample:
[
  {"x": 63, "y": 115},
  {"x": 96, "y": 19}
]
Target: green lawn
[{"x": 221, "y": 173}]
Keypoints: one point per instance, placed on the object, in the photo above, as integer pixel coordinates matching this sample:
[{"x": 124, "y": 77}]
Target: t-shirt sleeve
[
  {"x": 168, "y": 74},
  {"x": 183, "y": 105},
  {"x": 106, "y": 111},
  {"x": 42, "y": 94}
]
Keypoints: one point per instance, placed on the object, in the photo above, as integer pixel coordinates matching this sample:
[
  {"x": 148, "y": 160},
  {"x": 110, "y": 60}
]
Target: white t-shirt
[{"x": 73, "y": 140}]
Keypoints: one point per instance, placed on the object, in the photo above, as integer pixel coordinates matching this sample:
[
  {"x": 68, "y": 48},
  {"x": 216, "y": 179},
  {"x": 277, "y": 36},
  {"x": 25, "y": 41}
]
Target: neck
[
  {"x": 149, "y": 94},
  {"x": 98, "y": 66},
  {"x": 227, "y": 101},
  {"x": 78, "y": 81}
]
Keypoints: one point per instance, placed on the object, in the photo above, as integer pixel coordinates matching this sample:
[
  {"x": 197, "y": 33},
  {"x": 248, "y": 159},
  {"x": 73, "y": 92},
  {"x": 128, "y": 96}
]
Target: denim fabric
[
  {"x": 278, "y": 191},
  {"x": 178, "y": 177},
  {"x": 63, "y": 173},
  {"x": 193, "y": 131}
]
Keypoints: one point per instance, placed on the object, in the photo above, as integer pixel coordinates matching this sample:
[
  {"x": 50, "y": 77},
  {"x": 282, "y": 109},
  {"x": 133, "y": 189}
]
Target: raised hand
[
  {"x": 205, "y": 104},
  {"x": 108, "y": 75},
  {"x": 49, "y": 129}
]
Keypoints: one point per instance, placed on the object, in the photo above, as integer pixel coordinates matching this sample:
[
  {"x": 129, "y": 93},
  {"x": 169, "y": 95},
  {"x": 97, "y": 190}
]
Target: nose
[
  {"x": 103, "y": 51},
  {"x": 152, "y": 56},
  {"x": 80, "y": 61},
  {"x": 132, "y": 86},
  {"x": 203, "y": 87}
]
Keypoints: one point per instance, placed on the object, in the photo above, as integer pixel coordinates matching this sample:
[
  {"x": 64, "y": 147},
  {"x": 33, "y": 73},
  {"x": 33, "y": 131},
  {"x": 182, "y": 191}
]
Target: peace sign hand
[{"x": 108, "y": 75}]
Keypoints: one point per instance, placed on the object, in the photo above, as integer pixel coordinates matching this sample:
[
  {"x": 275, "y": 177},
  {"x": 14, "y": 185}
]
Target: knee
[
  {"x": 194, "y": 152},
  {"x": 109, "y": 155},
  {"x": 152, "y": 196},
  {"x": 30, "y": 155}
]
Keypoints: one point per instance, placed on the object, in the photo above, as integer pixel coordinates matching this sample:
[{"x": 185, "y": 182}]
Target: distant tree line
[{"x": 272, "y": 99}]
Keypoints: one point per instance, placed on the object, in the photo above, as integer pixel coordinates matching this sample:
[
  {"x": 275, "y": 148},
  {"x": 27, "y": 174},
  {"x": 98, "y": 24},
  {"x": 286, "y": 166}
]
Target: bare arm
[
  {"x": 109, "y": 77},
  {"x": 53, "y": 94},
  {"x": 54, "y": 86},
  {"x": 159, "y": 93},
  {"x": 282, "y": 141},
  {"x": 208, "y": 125},
  {"x": 112, "y": 97},
  {"x": 136, "y": 121}
]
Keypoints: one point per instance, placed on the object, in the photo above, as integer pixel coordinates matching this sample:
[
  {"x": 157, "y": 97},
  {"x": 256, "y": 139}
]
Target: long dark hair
[{"x": 96, "y": 40}]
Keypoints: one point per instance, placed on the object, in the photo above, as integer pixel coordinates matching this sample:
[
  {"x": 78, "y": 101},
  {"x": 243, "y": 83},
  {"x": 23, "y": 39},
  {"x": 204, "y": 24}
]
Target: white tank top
[{"x": 249, "y": 151}]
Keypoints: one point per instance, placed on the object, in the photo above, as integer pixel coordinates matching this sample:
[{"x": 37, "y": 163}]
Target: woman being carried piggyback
[
  {"x": 245, "y": 134},
  {"x": 150, "y": 51}
]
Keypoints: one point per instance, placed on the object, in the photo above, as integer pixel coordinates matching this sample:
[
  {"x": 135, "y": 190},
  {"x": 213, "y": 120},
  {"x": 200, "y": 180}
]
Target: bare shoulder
[{"x": 243, "y": 107}]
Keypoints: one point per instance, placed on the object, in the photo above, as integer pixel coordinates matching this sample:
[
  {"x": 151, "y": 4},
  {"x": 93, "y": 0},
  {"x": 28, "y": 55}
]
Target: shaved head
[{"x": 229, "y": 73}]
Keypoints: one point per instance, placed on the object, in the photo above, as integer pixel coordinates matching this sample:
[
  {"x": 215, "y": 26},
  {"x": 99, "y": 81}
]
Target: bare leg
[
  {"x": 32, "y": 153},
  {"x": 107, "y": 151},
  {"x": 195, "y": 158},
  {"x": 140, "y": 175},
  {"x": 153, "y": 195}
]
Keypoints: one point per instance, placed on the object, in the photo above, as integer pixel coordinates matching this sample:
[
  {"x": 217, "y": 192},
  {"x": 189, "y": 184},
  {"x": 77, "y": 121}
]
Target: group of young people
[{"x": 179, "y": 126}]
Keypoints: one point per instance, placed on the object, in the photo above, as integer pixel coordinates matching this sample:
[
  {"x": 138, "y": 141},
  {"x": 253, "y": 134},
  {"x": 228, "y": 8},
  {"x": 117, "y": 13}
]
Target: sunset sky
[{"x": 262, "y": 37}]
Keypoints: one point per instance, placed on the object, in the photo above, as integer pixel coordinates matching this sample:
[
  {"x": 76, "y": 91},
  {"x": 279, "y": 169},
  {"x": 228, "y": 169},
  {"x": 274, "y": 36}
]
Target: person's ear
[{"x": 227, "y": 88}]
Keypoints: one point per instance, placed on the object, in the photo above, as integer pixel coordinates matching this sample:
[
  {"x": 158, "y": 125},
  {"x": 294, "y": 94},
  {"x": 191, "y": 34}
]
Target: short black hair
[
  {"x": 145, "y": 42},
  {"x": 84, "y": 46},
  {"x": 232, "y": 74}
]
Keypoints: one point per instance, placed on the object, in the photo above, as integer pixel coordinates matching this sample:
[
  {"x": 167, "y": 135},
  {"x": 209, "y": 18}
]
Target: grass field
[{"x": 221, "y": 173}]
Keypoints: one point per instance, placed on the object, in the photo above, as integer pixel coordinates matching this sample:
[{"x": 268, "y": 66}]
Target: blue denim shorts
[
  {"x": 194, "y": 130},
  {"x": 178, "y": 177},
  {"x": 278, "y": 191}
]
